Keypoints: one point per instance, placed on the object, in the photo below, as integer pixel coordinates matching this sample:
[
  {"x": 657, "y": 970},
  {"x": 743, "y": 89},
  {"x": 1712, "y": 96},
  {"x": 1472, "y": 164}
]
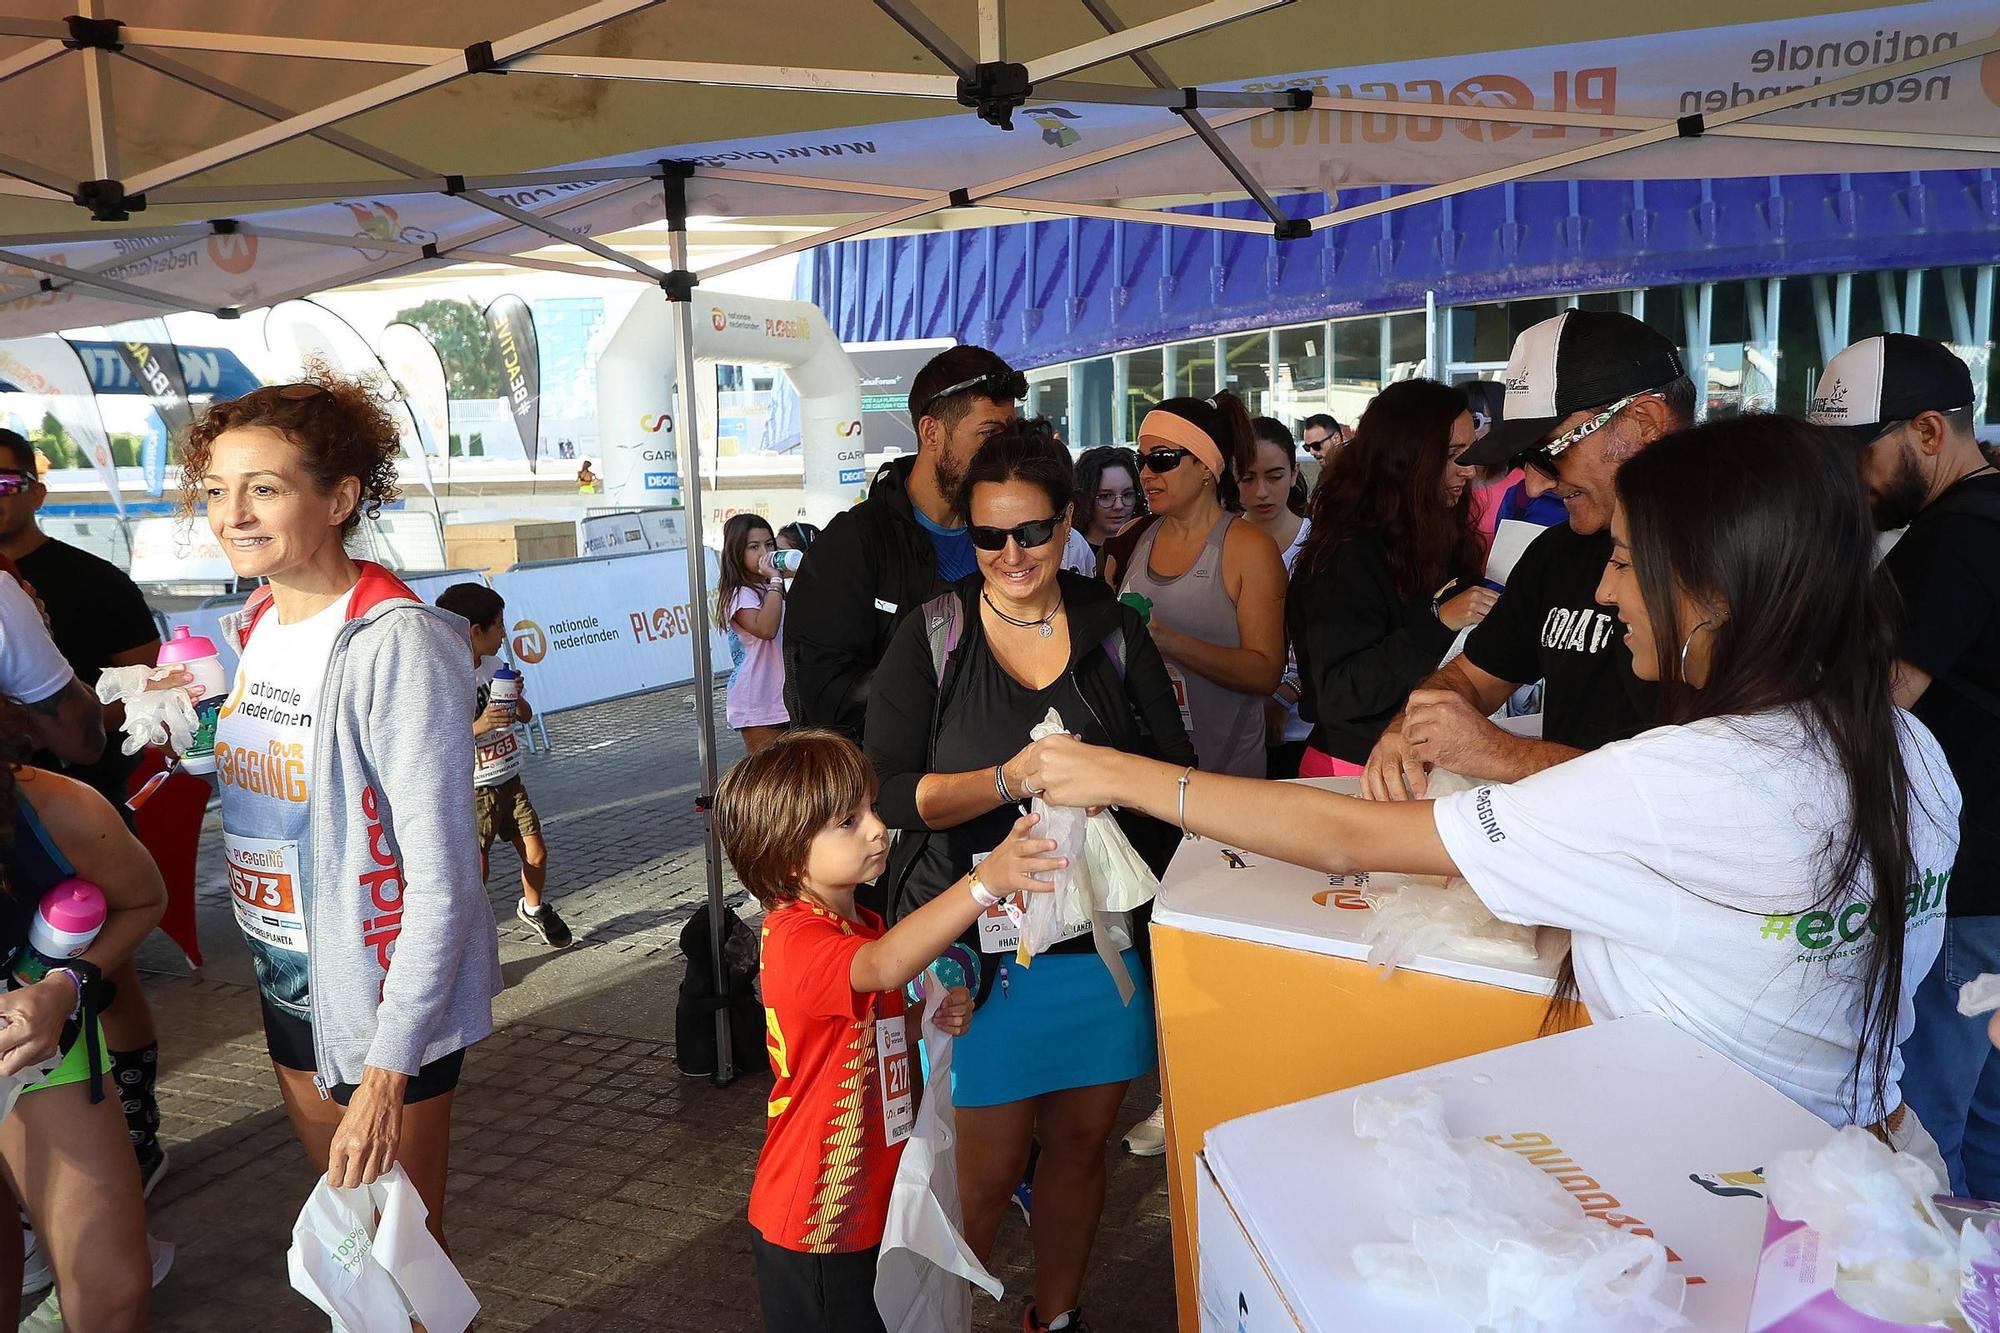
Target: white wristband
[{"x": 981, "y": 894}]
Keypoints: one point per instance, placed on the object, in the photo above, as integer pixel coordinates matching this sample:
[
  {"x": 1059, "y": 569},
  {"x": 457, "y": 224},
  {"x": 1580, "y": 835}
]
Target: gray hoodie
[{"x": 392, "y": 842}]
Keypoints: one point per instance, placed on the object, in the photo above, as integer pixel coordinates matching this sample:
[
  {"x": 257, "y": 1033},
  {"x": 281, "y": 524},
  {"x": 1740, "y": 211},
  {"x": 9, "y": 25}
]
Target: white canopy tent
[{"x": 224, "y": 171}]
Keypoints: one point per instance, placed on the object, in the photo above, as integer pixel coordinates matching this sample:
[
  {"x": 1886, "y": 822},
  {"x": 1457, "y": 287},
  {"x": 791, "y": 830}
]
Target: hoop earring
[{"x": 1689, "y": 643}]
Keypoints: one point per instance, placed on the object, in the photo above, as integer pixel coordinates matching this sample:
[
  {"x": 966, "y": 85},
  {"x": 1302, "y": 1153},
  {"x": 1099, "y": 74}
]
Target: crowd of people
[{"x": 1757, "y": 791}]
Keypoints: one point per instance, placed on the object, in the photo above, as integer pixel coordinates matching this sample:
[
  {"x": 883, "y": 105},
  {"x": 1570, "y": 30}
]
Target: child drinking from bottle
[
  {"x": 798, "y": 821},
  {"x": 750, "y": 605},
  {"x": 501, "y": 803}
]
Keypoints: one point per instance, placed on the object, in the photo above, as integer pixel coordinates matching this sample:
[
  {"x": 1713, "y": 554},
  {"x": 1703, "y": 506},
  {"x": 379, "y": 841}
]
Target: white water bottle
[{"x": 207, "y": 692}]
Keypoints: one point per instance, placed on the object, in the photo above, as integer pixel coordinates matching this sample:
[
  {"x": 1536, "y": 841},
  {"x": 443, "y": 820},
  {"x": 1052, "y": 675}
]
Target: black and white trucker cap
[
  {"x": 1580, "y": 359},
  {"x": 1889, "y": 378}
]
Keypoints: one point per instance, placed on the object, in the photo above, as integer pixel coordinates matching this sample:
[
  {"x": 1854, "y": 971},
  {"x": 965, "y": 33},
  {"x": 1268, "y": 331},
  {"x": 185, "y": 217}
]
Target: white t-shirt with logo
[
  {"x": 496, "y": 754},
  {"x": 1687, "y": 863},
  {"x": 264, "y": 743},
  {"x": 31, "y": 669}
]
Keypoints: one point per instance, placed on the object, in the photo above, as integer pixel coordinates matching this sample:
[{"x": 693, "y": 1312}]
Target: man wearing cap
[
  {"x": 902, "y": 545},
  {"x": 1585, "y": 391},
  {"x": 1908, "y": 404}
]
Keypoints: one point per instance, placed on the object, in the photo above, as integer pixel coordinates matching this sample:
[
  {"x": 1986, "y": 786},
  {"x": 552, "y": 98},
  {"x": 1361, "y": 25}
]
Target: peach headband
[{"x": 1171, "y": 428}]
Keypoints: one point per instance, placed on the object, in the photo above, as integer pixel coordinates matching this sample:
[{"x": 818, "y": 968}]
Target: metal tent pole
[{"x": 679, "y": 286}]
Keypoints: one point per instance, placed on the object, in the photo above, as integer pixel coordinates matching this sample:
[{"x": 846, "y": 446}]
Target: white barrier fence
[{"x": 588, "y": 630}]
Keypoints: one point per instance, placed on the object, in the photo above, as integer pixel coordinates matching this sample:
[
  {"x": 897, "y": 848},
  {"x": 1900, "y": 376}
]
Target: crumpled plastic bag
[
  {"x": 925, "y": 1272},
  {"x": 1066, "y": 911},
  {"x": 152, "y": 717},
  {"x": 1981, "y": 995},
  {"x": 1118, "y": 880},
  {"x": 375, "y": 1274},
  {"x": 1419, "y": 914},
  {"x": 1496, "y": 1241},
  {"x": 1897, "y": 1257}
]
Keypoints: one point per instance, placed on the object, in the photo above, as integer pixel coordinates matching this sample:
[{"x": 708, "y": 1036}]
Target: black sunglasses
[
  {"x": 1165, "y": 459},
  {"x": 1028, "y": 535},
  {"x": 1000, "y": 386}
]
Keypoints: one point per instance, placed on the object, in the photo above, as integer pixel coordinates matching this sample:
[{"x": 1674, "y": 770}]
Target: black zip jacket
[
  {"x": 1138, "y": 711},
  {"x": 1361, "y": 647},
  {"x": 869, "y": 569}
]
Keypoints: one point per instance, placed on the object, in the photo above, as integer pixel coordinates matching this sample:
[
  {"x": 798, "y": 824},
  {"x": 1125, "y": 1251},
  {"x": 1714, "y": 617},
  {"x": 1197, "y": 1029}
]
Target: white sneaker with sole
[{"x": 1148, "y": 1138}]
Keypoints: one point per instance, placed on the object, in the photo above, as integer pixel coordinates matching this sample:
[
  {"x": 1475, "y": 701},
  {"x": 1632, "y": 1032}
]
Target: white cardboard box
[{"x": 1625, "y": 1115}]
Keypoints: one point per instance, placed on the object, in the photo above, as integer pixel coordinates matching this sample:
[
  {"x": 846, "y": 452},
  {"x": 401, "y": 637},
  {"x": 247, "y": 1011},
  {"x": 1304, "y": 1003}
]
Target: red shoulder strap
[{"x": 376, "y": 586}]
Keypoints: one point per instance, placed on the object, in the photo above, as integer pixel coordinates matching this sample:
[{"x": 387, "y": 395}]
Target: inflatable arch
[{"x": 644, "y": 454}]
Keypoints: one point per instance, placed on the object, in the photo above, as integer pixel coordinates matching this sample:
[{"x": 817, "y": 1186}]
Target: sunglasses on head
[
  {"x": 1026, "y": 535},
  {"x": 1164, "y": 459},
  {"x": 1000, "y": 386},
  {"x": 13, "y": 482}
]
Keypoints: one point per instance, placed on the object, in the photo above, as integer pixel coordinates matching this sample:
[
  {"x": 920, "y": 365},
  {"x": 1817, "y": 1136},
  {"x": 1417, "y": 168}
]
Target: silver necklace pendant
[{"x": 1048, "y": 629}]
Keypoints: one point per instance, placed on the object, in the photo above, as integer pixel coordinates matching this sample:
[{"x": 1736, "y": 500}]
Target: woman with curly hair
[
  {"x": 345, "y": 770},
  {"x": 64, "y": 1155}
]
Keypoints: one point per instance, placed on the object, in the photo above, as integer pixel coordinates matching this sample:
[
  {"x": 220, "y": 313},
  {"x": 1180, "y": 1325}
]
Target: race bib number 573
[{"x": 264, "y": 889}]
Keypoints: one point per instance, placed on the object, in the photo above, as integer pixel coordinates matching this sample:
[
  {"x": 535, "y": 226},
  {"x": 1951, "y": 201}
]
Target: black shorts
[
  {"x": 290, "y": 1041},
  {"x": 815, "y": 1293}
]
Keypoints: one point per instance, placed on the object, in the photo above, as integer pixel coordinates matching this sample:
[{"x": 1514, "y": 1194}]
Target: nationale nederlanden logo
[
  {"x": 530, "y": 643},
  {"x": 716, "y": 318}
]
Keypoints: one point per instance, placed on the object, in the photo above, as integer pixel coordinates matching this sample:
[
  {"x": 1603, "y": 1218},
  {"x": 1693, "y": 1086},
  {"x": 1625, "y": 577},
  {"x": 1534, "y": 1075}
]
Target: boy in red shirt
[{"x": 799, "y": 824}]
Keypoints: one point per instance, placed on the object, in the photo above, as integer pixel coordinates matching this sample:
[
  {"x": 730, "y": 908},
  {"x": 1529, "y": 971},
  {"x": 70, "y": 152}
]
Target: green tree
[
  {"x": 54, "y": 442},
  {"x": 464, "y": 343}
]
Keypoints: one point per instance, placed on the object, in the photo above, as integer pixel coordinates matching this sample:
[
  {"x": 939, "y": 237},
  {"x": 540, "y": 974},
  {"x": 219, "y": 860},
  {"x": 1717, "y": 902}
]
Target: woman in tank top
[{"x": 1216, "y": 586}]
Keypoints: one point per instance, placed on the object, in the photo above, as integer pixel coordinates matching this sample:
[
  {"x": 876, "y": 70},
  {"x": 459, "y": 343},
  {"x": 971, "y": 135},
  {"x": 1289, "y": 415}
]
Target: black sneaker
[{"x": 544, "y": 922}]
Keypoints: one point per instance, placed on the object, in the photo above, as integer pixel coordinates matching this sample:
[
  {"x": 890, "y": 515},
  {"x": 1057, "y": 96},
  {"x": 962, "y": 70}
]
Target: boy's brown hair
[{"x": 770, "y": 806}]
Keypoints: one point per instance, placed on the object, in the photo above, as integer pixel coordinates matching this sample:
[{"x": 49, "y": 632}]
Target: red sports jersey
[{"x": 828, "y": 1163}]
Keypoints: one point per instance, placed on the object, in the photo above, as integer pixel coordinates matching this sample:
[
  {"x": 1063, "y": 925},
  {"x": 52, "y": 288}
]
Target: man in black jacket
[
  {"x": 901, "y": 546},
  {"x": 1585, "y": 391}
]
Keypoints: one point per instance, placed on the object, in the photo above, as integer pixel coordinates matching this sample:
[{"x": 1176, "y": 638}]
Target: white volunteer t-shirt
[
  {"x": 1685, "y": 862},
  {"x": 31, "y": 669},
  {"x": 264, "y": 742}
]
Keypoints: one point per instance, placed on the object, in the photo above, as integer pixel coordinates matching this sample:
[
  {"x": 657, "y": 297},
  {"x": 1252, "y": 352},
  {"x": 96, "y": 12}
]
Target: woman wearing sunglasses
[
  {"x": 1390, "y": 573},
  {"x": 1051, "y": 1047},
  {"x": 344, "y": 767},
  {"x": 1216, "y": 586},
  {"x": 1766, "y": 870}
]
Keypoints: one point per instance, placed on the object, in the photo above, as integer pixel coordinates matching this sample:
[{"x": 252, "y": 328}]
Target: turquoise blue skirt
[{"x": 1053, "y": 1026}]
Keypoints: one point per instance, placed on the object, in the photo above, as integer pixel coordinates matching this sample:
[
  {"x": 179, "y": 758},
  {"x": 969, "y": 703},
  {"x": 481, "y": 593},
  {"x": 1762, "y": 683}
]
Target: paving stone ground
[{"x": 593, "y": 1187}]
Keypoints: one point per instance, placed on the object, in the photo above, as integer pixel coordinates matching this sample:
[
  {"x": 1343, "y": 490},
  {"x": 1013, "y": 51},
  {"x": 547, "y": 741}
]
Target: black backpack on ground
[{"x": 700, "y": 998}]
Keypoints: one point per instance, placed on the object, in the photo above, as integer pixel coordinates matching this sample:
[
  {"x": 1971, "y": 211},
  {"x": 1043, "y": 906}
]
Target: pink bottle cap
[
  {"x": 185, "y": 646},
  {"x": 75, "y": 906}
]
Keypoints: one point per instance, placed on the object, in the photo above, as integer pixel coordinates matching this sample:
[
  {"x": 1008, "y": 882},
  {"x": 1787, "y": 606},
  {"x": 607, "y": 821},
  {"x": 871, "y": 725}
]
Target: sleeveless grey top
[{"x": 1227, "y": 727}]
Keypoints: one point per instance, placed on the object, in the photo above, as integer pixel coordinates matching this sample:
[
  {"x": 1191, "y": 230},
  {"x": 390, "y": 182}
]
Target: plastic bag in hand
[
  {"x": 1065, "y": 911},
  {"x": 152, "y": 717},
  {"x": 375, "y": 1274},
  {"x": 1896, "y": 1257},
  {"x": 1118, "y": 879},
  {"x": 925, "y": 1273}
]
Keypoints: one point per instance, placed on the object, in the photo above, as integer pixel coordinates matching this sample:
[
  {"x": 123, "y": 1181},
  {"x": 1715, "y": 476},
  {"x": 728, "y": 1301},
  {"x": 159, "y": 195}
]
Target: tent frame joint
[
  {"x": 229, "y": 312},
  {"x": 107, "y": 200},
  {"x": 224, "y": 226},
  {"x": 479, "y": 59},
  {"x": 996, "y": 89},
  {"x": 1692, "y": 126},
  {"x": 93, "y": 34},
  {"x": 679, "y": 284},
  {"x": 1292, "y": 229},
  {"x": 454, "y": 186},
  {"x": 961, "y": 198}
]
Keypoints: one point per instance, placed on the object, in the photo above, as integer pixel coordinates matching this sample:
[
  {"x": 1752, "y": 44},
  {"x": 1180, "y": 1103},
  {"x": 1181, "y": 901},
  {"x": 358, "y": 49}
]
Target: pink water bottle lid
[
  {"x": 75, "y": 906},
  {"x": 185, "y": 646}
]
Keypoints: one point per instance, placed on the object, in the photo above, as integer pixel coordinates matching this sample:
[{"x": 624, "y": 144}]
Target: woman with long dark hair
[
  {"x": 1766, "y": 870},
  {"x": 750, "y": 608},
  {"x": 63, "y": 1146},
  {"x": 1389, "y": 574},
  {"x": 1274, "y": 499}
]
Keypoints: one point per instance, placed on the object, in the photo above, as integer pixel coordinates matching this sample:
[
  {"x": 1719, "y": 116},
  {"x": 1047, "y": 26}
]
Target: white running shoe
[{"x": 1148, "y": 1138}]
